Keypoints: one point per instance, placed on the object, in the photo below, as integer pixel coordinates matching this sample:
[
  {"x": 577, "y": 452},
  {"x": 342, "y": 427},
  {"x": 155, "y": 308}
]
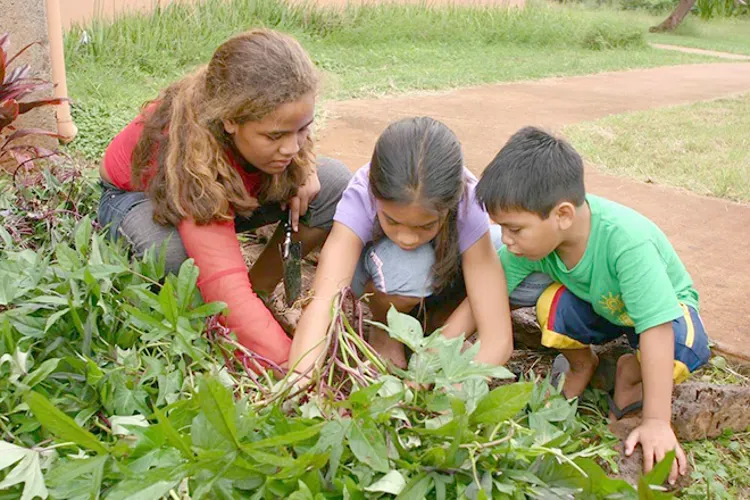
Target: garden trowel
[{"x": 291, "y": 258}]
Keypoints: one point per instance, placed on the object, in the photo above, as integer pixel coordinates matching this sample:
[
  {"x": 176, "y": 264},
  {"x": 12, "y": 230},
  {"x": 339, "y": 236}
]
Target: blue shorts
[
  {"x": 408, "y": 273},
  {"x": 568, "y": 322}
]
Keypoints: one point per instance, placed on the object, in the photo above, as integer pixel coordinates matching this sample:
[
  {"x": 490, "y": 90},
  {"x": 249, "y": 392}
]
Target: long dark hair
[{"x": 420, "y": 160}]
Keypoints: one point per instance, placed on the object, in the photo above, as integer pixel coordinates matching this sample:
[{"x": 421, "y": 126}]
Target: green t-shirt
[{"x": 629, "y": 272}]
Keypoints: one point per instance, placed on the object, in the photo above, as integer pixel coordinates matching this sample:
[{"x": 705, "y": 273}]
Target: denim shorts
[
  {"x": 408, "y": 273},
  {"x": 130, "y": 215}
]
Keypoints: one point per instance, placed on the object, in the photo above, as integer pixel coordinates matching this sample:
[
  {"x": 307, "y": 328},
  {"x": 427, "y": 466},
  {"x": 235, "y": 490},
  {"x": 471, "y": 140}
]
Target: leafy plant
[
  {"x": 116, "y": 381},
  {"x": 708, "y": 9},
  {"x": 15, "y": 85}
]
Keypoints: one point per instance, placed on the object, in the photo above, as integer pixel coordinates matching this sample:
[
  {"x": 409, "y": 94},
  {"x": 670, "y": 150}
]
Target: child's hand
[{"x": 657, "y": 439}]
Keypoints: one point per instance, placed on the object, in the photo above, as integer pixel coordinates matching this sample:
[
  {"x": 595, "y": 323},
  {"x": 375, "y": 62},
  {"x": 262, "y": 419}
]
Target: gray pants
[{"x": 131, "y": 214}]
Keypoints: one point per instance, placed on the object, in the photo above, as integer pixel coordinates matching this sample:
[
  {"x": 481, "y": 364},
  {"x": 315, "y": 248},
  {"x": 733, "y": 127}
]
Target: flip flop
[
  {"x": 618, "y": 412},
  {"x": 559, "y": 367}
]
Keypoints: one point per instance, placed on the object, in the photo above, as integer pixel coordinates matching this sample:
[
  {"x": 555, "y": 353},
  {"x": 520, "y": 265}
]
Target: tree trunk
[{"x": 675, "y": 18}]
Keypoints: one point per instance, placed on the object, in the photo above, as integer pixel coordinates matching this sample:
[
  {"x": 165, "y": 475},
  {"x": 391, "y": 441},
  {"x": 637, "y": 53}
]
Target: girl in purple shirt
[{"x": 408, "y": 228}]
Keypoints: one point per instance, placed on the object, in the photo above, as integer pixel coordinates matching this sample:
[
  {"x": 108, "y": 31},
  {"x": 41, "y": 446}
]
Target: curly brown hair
[{"x": 181, "y": 157}]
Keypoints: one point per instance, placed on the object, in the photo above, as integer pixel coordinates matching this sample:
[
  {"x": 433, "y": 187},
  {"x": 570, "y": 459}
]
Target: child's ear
[
  {"x": 230, "y": 127},
  {"x": 566, "y": 214}
]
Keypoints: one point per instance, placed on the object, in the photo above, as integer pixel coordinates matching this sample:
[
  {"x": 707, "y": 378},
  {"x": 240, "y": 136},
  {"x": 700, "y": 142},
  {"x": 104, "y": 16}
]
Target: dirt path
[{"x": 711, "y": 235}]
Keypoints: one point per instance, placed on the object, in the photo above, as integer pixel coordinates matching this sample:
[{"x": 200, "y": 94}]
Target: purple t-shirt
[{"x": 357, "y": 210}]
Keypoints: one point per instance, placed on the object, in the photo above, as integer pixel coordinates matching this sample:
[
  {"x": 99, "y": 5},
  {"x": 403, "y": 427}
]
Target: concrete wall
[
  {"x": 82, "y": 11},
  {"x": 26, "y": 21}
]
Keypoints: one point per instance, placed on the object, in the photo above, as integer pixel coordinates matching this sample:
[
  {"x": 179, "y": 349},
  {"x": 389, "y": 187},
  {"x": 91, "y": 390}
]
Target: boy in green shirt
[{"x": 614, "y": 272}]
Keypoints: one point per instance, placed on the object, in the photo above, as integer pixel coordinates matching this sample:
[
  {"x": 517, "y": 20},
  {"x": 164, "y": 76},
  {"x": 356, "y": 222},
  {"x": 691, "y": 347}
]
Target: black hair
[
  {"x": 420, "y": 160},
  {"x": 533, "y": 172}
]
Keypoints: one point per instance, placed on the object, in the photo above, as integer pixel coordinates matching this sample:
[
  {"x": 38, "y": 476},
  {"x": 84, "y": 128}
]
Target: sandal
[
  {"x": 603, "y": 378},
  {"x": 618, "y": 412},
  {"x": 559, "y": 367}
]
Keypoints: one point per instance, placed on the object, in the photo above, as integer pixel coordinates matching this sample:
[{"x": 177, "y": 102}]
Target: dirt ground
[{"x": 711, "y": 235}]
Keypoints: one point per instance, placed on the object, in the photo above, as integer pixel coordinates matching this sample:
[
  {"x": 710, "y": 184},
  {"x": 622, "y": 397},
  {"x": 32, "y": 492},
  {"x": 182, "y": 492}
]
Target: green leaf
[
  {"x": 123, "y": 425},
  {"x": 303, "y": 493},
  {"x": 186, "y": 280},
  {"x": 597, "y": 482},
  {"x": 271, "y": 459},
  {"x": 646, "y": 493},
  {"x": 417, "y": 488},
  {"x": 502, "y": 403},
  {"x": 6, "y": 237},
  {"x": 127, "y": 401},
  {"x": 285, "y": 439},
  {"x": 10, "y": 454},
  {"x": 368, "y": 445},
  {"x": 8, "y": 290},
  {"x": 661, "y": 471},
  {"x": 168, "y": 303},
  {"x": 172, "y": 436},
  {"x": 28, "y": 471},
  {"x": 206, "y": 310},
  {"x": 74, "y": 468},
  {"x": 60, "y": 424},
  {"x": 306, "y": 462},
  {"x": 52, "y": 319},
  {"x": 404, "y": 328},
  {"x": 145, "y": 318},
  {"x": 82, "y": 235},
  {"x": 153, "y": 485},
  {"x": 217, "y": 404},
  {"x": 392, "y": 483},
  {"x": 331, "y": 440},
  {"x": 54, "y": 300},
  {"x": 40, "y": 373}
]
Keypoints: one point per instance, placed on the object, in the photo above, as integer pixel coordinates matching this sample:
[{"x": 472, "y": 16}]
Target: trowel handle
[{"x": 286, "y": 246}]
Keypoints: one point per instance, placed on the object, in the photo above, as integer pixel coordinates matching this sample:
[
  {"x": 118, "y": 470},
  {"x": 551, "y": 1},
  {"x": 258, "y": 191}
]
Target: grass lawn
[
  {"x": 724, "y": 35},
  {"x": 702, "y": 147},
  {"x": 369, "y": 50},
  {"x": 720, "y": 34}
]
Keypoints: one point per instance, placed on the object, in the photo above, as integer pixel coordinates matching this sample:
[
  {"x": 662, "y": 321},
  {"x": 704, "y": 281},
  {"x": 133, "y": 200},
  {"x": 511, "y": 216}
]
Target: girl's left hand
[{"x": 305, "y": 195}]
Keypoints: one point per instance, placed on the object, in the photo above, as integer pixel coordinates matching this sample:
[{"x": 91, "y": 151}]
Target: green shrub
[{"x": 606, "y": 36}]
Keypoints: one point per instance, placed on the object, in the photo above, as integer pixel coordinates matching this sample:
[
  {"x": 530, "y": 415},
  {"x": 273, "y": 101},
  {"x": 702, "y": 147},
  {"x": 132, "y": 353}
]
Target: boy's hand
[{"x": 657, "y": 439}]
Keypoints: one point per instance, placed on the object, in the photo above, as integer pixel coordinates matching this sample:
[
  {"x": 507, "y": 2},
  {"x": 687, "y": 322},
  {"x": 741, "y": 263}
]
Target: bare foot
[
  {"x": 392, "y": 350},
  {"x": 579, "y": 375},
  {"x": 628, "y": 385}
]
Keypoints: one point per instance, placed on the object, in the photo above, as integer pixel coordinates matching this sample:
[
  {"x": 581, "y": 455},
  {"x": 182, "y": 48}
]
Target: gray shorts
[
  {"x": 395, "y": 271},
  {"x": 131, "y": 214}
]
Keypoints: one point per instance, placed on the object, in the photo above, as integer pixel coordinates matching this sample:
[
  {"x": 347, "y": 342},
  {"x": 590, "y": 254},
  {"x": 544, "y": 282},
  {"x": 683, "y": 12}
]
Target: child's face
[
  {"x": 271, "y": 144},
  {"x": 526, "y": 234},
  {"x": 408, "y": 226}
]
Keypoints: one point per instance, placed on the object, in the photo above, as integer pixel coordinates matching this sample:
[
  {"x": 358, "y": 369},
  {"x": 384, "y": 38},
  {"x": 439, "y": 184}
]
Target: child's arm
[
  {"x": 652, "y": 305},
  {"x": 487, "y": 306},
  {"x": 336, "y": 266},
  {"x": 655, "y": 432}
]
